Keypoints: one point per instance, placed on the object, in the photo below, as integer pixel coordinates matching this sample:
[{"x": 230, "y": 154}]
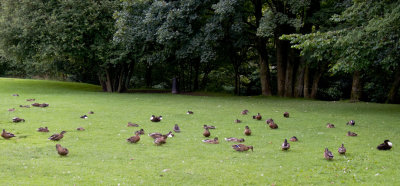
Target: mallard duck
[
  {"x": 294, "y": 139},
  {"x": 43, "y": 105},
  {"x": 238, "y": 121},
  {"x": 35, "y": 104},
  {"x": 141, "y": 131},
  {"x": 15, "y": 95},
  {"x": 257, "y": 117},
  {"x": 342, "y": 149},
  {"x": 273, "y": 125},
  {"x": 206, "y": 132},
  {"x": 90, "y": 112},
  {"x": 242, "y": 147},
  {"x": 386, "y": 145},
  {"x": 234, "y": 139},
  {"x": 208, "y": 127},
  {"x": 247, "y": 131},
  {"x": 351, "y": 122},
  {"x": 84, "y": 116},
  {"x": 41, "y": 129},
  {"x": 61, "y": 150},
  {"x": 155, "y": 118},
  {"x": 176, "y": 128},
  {"x": 211, "y": 141},
  {"x": 7, "y": 135},
  {"x": 270, "y": 120},
  {"x": 189, "y": 112},
  {"x": 160, "y": 140},
  {"x": 351, "y": 134},
  {"x": 328, "y": 154},
  {"x": 30, "y": 100},
  {"x": 285, "y": 145},
  {"x": 17, "y": 120},
  {"x": 26, "y": 106},
  {"x": 286, "y": 114},
  {"x": 11, "y": 110},
  {"x": 130, "y": 124},
  {"x": 80, "y": 129},
  {"x": 155, "y": 135},
  {"x": 134, "y": 139},
  {"x": 56, "y": 137},
  {"x": 244, "y": 112},
  {"x": 330, "y": 125}
]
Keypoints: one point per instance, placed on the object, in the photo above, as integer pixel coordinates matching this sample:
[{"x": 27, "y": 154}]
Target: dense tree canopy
[{"x": 327, "y": 49}]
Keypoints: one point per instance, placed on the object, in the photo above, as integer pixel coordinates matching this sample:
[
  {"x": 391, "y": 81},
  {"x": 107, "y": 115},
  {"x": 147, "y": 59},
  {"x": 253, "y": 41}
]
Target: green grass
[{"x": 101, "y": 155}]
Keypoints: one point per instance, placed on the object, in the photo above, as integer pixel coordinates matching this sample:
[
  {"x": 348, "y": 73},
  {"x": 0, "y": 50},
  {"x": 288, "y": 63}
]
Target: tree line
[{"x": 326, "y": 49}]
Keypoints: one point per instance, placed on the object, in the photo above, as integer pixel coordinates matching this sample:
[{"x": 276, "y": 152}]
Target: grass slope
[{"x": 101, "y": 155}]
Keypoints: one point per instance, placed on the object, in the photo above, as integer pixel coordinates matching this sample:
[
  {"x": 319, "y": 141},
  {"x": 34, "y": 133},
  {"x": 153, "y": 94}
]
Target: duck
[
  {"x": 330, "y": 125},
  {"x": 90, "y": 112},
  {"x": 294, "y": 139},
  {"x": 273, "y": 125},
  {"x": 155, "y": 135},
  {"x": 342, "y": 149},
  {"x": 328, "y": 154},
  {"x": 17, "y": 120},
  {"x": 351, "y": 122},
  {"x": 234, "y": 139},
  {"x": 26, "y": 106},
  {"x": 209, "y": 126},
  {"x": 11, "y": 110},
  {"x": 43, "y": 105},
  {"x": 247, "y": 131},
  {"x": 61, "y": 150},
  {"x": 7, "y": 135},
  {"x": 141, "y": 131},
  {"x": 238, "y": 121},
  {"x": 206, "y": 133},
  {"x": 80, "y": 129},
  {"x": 56, "y": 137},
  {"x": 15, "y": 95},
  {"x": 189, "y": 112},
  {"x": 270, "y": 120},
  {"x": 160, "y": 140},
  {"x": 130, "y": 124},
  {"x": 244, "y": 112},
  {"x": 285, "y": 145},
  {"x": 84, "y": 116},
  {"x": 211, "y": 141},
  {"x": 134, "y": 139},
  {"x": 351, "y": 134},
  {"x": 41, "y": 129},
  {"x": 257, "y": 117},
  {"x": 242, "y": 147},
  {"x": 35, "y": 104},
  {"x": 155, "y": 118},
  {"x": 177, "y": 129},
  {"x": 30, "y": 99},
  {"x": 386, "y": 145},
  {"x": 286, "y": 114}
]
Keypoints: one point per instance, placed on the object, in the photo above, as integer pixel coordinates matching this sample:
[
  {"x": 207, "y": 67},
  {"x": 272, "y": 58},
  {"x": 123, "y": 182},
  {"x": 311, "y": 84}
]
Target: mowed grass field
[{"x": 100, "y": 155}]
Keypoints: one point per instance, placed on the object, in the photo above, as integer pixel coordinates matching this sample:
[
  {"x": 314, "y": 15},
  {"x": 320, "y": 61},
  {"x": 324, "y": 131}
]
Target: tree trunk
[
  {"x": 265, "y": 76},
  {"x": 356, "y": 87},
  {"x": 316, "y": 78},
  {"x": 108, "y": 81},
  {"x": 281, "y": 53},
  {"x": 306, "y": 81},
  {"x": 299, "y": 82},
  {"x": 289, "y": 73},
  {"x": 395, "y": 87}
]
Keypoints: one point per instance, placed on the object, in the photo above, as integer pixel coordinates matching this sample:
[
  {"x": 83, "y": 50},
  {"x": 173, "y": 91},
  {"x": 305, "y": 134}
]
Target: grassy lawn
[{"x": 101, "y": 155}]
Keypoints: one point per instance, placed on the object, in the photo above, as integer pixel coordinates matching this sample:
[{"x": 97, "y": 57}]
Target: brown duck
[
  {"x": 242, "y": 147},
  {"x": 130, "y": 124},
  {"x": 342, "y": 149},
  {"x": 155, "y": 118},
  {"x": 90, "y": 112},
  {"x": 43, "y": 129},
  {"x": 30, "y": 99},
  {"x": 26, "y": 106},
  {"x": 176, "y": 128},
  {"x": 157, "y": 135},
  {"x": 330, "y": 125},
  {"x": 273, "y": 125},
  {"x": 61, "y": 150},
  {"x": 257, "y": 117},
  {"x": 56, "y": 137},
  {"x": 211, "y": 141},
  {"x": 161, "y": 140},
  {"x": 80, "y": 129},
  {"x": 134, "y": 139},
  {"x": 234, "y": 139},
  {"x": 286, "y": 114},
  {"x": 328, "y": 154},
  {"x": 11, "y": 109},
  {"x": 17, "y": 120},
  {"x": 208, "y": 127},
  {"x": 351, "y": 134},
  {"x": 244, "y": 112},
  {"x": 270, "y": 120},
  {"x": 294, "y": 139},
  {"x": 206, "y": 133},
  {"x": 247, "y": 131},
  {"x": 141, "y": 131},
  {"x": 285, "y": 145},
  {"x": 7, "y": 135}
]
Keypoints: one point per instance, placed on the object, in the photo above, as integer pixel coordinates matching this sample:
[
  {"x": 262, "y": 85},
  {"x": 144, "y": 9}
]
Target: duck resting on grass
[
  {"x": 211, "y": 141},
  {"x": 141, "y": 131},
  {"x": 15, "y": 95},
  {"x": 30, "y": 99},
  {"x": 40, "y": 105},
  {"x": 330, "y": 125},
  {"x": 242, "y": 147},
  {"x": 154, "y": 118},
  {"x": 351, "y": 122},
  {"x": 84, "y": 116},
  {"x": 238, "y": 121},
  {"x": 294, "y": 139},
  {"x": 7, "y": 135},
  {"x": 160, "y": 140},
  {"x": 134, "y": 139},
  {"x": 273, "y": 125},
  {"x": 270, "y": 120},
  {"x": 208, "y": 127},
  {"x": 234, "y": 139},
  {"x": 342, "y": 149},
  {"x": 247, "y": 131},
  {"x": 257, "y": 117},
  {"x": 206, "y": 133},
  {"x": 286, "y": 114},
  {"x": 328, "y": 154},
  {"x": 57, "y": 137},
  {"x": 244, "y": 112},
  {"x": 189, "y": 112},
  {"x": 17, "y": 120},
  {"x": 61, "y": 150},
  {"x": 177, "y": 129},
  {"x": 80, "y": 129},
  {"x": 130, "y": 124},
  {"x": 386, "y": 145},
  {"x": 351, "y": 134},
  {"x": 90, "y": 112},
  {"x": 11, "y": 110},
  {"x": 285, "y": 145},
  {"x": 26, "y": 106},
  {"x": 155, "y": 135},
  {"x": 41, "y": 129}
]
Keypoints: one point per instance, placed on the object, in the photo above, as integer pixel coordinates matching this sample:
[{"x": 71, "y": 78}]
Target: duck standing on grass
[
  {"x": 285, "y": 145},
  {"x": 247, "y": 131},
  {"x": 342, "y": 149},
  {"x": 242, "y": 147},
  {"x": 7, "y": 135},
  {"x": 57, "y": 137},
  {"x": 328, "y": 154},
  {"x": 206, "y": 133},
  {"x": 61, "y": 150},
  {"x": 386, "y": 145}
]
